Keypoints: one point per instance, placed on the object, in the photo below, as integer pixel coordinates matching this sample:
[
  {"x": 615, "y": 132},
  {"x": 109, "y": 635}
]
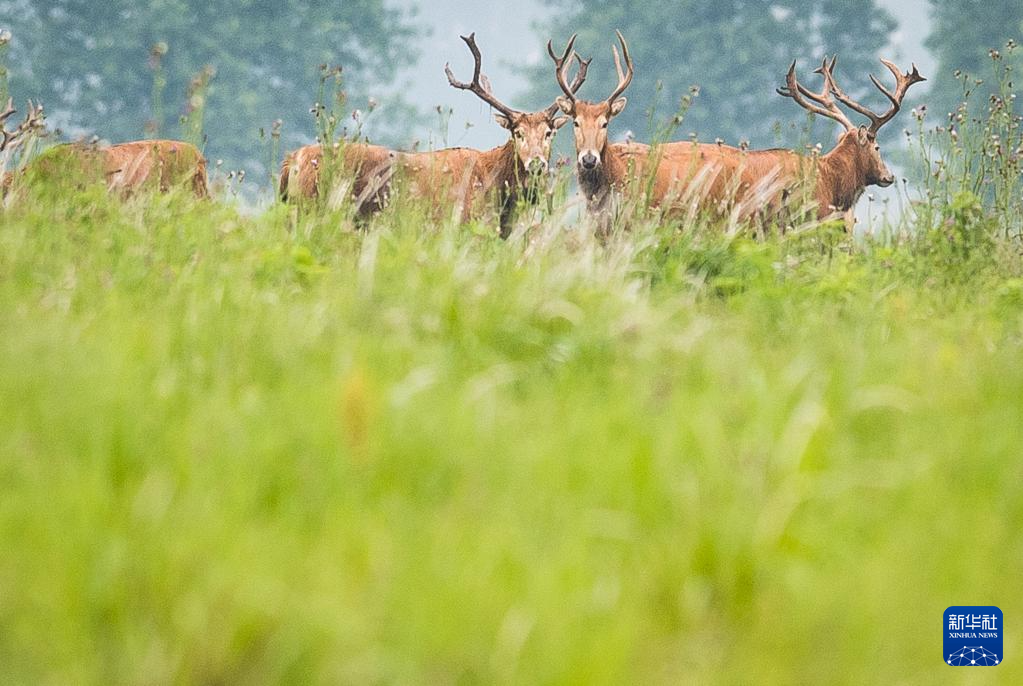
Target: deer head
[
  {"x": 532, "y": 132},
  {"x": 862, "y": 140},
  {"x": 592, "y": 118}
]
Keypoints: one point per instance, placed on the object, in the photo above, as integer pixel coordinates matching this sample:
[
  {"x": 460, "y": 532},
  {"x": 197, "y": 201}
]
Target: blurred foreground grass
[{"x": 278, "y": 450}]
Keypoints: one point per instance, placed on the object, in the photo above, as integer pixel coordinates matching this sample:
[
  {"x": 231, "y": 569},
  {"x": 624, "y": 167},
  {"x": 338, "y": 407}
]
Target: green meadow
[{"x": 286, "y": 447}]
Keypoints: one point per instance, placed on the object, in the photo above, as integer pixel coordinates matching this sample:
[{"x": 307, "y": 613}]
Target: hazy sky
[{"x": 509, "y": 39}]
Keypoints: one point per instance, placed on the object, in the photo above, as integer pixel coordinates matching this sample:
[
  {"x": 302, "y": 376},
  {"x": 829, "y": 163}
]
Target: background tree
[
  {"x": 87, "y": 61},
  {"x": 962, "y": 33},
  {"x": 736, "y": 51}
]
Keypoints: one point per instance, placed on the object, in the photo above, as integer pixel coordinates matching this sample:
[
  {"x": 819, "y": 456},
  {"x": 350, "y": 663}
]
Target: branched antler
[
  {"x": 33, "y": 123},
  {"x": 577, "y": 82},
  {"x": 562, "y": 63},
  {"x": 822, "y": 103},
  {"x": 793, "y": 89},
  {"x": 561, "y": 66},
  {"x": 624, "y": 78},
  {"x": 902, "y": 84},
  {"x": 477, "y": 85}
]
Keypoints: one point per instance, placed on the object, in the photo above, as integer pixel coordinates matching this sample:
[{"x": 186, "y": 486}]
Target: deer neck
[
  {"x": 504, "y": 170},
  {"x": 598, "y": 184},
  {"x": 841, "y": 177}
]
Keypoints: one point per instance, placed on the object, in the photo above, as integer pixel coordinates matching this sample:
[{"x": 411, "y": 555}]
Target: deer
[
  {"x": 508, "y": 173},
  {"x": 126, "y": 168},
  {"x": 369, "y": 167},
  {"x": 475, "y": 180},
  {"x": 838, "y": 178},
  {"x": 603, "y": 169},
  {"x": 163, "y": 164}
]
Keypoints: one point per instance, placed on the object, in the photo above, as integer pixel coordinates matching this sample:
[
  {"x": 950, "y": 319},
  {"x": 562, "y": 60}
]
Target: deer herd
[{"x": 676, "y": 177}]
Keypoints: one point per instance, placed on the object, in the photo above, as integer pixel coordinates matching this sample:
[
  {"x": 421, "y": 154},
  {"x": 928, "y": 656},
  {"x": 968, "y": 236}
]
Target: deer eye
[
  {"x": 604, "y": 125},
  {"x": 575, "y": 124}
]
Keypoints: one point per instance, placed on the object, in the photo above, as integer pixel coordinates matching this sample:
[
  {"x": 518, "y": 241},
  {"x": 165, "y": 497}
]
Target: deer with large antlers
[
  {"x": 603, "y": 168},
  {"x": 477, "y": 180},
  {"x": 838, "y": 177}
]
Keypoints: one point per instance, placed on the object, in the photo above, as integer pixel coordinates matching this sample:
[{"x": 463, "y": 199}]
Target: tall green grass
[{"x": 287, "y": 449}]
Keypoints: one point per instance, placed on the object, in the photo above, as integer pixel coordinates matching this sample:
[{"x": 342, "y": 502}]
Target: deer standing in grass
[
  {"x": 604, "y": 169},
  {"x": 369, "y": 167},
  {"x": 838, "y": 178},
  {"x": 125, "y": 168},
  {"x": 475, "y": 181},
  {"x": 160, "y": 164}
]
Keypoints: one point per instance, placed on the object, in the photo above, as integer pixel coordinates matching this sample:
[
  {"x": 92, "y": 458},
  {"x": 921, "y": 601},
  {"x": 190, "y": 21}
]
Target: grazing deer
[
  {"x": 475, "y": 180},
  {"x": 603, "y": 168},
  {"x": 126, "y": 168},
  {"x": 164, "y": 164},
  {"x": 838, "y": 178}
]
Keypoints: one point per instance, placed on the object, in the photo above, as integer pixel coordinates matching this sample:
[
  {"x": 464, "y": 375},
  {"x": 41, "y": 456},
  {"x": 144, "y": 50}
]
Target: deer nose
[
  {"x": 589, "y": 160},
  {"x": 537, "y": 165},
  {"x": 886, "y": 181}
]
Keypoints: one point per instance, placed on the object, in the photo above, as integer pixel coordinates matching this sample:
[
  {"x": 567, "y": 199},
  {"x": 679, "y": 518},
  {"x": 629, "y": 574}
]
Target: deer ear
[
  {"x": 559, "y": 122},
  {"x": 504, "y": 121},
  {"x": 862, "y": 135},
  {"x": 564, "y": 104},
  {"x": 617, "y": 106}
]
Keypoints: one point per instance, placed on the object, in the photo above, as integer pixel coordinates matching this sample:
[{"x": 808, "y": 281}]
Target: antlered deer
[
  {"x": 603, "y": 168},
  {"x": 475, "y": 180},
  {"x": 838, "y": 177}
]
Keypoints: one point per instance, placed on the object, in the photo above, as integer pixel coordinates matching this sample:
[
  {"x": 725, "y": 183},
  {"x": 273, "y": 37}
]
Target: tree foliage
[
  {"x": 736, "y": 51},
  {"x": 87, "y": 61},
  {"x": 962, "y": 34}
]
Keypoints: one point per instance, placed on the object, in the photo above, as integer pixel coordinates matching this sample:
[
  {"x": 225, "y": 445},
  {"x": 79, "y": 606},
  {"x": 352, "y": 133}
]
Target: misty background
[{"x": 92, "y": 64}]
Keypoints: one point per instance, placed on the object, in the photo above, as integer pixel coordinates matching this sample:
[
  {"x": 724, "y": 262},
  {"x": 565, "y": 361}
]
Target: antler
[
  {"x": 824, "y": 106},
  {"x": 562, "y": 63},
  {"x": 561, "y": 66},
  {"x": 482, "y": 91},
  {"x": 33, "y": 122},
  {"x": 577, "y": 82},
  {"x": 624, "y": 79},
  {"x": 902, "y": 84}
]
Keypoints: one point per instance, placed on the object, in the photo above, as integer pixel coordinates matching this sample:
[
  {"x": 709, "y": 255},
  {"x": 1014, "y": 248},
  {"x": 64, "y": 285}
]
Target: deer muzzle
[{"x": 588, "y": 159}]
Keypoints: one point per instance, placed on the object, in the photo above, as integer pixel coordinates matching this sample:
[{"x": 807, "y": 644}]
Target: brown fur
[
  {"x": 475, "y": 181},
  {"x": 617, "y": 163},
  {"x": 839, "y": 177},
  {"x": 367, "y": 165},
  {"x": 128, "y": 167}
]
